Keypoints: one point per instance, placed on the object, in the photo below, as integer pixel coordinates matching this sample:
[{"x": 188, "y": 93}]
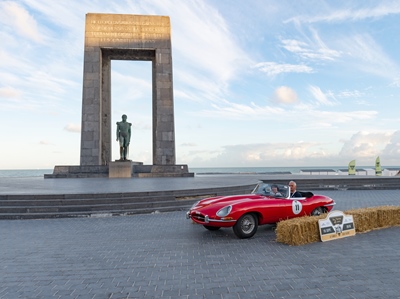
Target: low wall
[{"x": 325, "y": 182}]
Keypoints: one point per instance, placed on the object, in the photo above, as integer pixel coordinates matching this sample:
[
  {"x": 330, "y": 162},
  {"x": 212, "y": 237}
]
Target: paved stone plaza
[{"x": 166, "y": 256}]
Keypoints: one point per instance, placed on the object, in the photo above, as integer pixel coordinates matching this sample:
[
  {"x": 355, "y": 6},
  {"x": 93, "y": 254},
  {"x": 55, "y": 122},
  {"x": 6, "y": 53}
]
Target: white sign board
[{"x": 336, "y": 225}]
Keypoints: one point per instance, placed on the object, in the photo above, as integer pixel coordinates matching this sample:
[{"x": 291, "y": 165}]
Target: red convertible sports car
[{"x": 267, "y": 204}]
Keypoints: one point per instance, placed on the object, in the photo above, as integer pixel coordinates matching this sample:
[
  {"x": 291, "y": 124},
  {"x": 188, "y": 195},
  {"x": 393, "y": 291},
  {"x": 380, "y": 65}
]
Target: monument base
[
  {"x": 120, "y": 169},
  {"x": 78, "y": 171},
  {"x": 156, "y": 171}
]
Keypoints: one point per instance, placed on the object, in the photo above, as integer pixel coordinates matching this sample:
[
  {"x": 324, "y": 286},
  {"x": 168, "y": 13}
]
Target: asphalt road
[{"x": 166, "y": 256}]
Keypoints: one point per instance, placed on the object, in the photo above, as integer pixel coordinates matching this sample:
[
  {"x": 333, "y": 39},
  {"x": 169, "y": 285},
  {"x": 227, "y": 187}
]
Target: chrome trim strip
[
  {"x": 331, "y": 204},
  {"x": 225, "y": 221}
]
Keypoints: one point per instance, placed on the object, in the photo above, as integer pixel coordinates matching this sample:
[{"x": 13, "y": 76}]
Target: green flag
[
  {"x": 352, "y": 167},
  {"x": 378, "y": 170}
]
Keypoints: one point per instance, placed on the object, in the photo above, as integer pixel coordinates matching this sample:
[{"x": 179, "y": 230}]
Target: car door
[{"x": 291, "y": 208}]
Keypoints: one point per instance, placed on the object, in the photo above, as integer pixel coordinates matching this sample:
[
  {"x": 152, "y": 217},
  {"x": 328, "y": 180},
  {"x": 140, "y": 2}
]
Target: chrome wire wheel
[{"x": 246, "y": 226}]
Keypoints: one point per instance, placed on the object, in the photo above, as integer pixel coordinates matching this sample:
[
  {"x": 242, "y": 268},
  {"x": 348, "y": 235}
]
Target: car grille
[{"x": 198, "y": 217}]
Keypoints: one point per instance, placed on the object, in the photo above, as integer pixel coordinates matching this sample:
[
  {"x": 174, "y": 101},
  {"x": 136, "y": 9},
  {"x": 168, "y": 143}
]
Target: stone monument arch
[{"x": 125, "y": 37}]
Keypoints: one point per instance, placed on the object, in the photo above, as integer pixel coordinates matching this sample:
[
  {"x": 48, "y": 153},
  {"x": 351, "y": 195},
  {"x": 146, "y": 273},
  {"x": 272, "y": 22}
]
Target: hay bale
[
  {"x": 389, "y": 216},
  {"x": 368, "y": 219},
  {"x": 304, "y": 230},
  {"x": 298, "y": 231},
  {"x": 364, "y": 219}
]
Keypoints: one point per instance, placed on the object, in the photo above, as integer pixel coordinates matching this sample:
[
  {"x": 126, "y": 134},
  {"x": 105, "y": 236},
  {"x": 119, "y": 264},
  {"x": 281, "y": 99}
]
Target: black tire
[
  {"x": 246, "y": 226},
  {"x": 318, "y": 211},
  {"x": 211, "y": 227}
]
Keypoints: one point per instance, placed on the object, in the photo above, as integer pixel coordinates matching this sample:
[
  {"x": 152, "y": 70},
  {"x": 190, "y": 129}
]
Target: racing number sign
[
  {"x": 335, "y": 226},
  {"x": 296, "y": 207}
]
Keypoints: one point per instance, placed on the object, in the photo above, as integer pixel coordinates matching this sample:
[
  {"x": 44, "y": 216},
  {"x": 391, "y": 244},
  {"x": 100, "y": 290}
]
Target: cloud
[
  {"x": 392, "y": 148},
  {"x": 12, "y": 64},
  {"x": 284, "y": 95},
  {"x": 272, "y": 69},
  {"x": 189, "y": 144},
  {"x": 395, "y": 83},
  {"x": 261, "y": 154},
  {"x": 317, "y": 50},
  {"x": 313, "y": 118},
  {"x": 321, "y": 97},
  {"x": 207, "y": 54},
  {"x": 197, "y": 87},
  {"x": 350, "y": 94},
  {"x": 354, "y": 51},
  {"x": 364, "y": 53},
  {"x": 69, "y": 15},
  {"x": 9, "y": 92},
  {"x": 19, "y": 19},
  {"x": 365, "y": 145},
  {"x": 330, "y": 118},
  {"x": 142, "y": 126},
  {"x": 310, "y": 112},
  {"x": 241, "y": 111},
  {"x": 74, "y": 128},
  {"x": 203, "y": 44},
  {"x": 382, "y": 9},
  {"x": 128, "y": 88}
]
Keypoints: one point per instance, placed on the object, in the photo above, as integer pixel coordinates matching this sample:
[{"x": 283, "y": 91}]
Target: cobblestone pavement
[{"x": 166, "y": 256}]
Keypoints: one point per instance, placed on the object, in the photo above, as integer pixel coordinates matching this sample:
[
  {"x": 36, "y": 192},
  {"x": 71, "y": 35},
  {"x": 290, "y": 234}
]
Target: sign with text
[{"x": 336, "y": 225}]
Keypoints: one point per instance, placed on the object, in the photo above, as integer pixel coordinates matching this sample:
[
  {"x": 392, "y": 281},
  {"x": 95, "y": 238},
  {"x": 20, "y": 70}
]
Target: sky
[{"x": 257, "y": 83}]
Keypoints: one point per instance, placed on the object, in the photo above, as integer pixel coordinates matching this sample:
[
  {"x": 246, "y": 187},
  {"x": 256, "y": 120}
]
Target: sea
[{"x": 25, "y": 173}]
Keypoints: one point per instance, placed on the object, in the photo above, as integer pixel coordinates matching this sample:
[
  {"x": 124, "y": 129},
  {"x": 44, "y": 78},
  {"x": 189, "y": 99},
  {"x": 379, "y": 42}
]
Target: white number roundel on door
[{"x": 296, "y": 207}]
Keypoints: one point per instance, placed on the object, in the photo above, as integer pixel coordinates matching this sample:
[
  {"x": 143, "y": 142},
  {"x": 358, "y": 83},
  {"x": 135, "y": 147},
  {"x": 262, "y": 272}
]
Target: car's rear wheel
[
  {"x": 211, "y": 227},
  {"x": 246, "y": 226},
  {"x": 318, "y": 211}
]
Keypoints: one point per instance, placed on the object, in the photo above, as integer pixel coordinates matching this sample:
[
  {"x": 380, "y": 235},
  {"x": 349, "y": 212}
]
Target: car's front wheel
[
  {"x": 211, "y": 227},
  {"x": 246, "y": 226}
]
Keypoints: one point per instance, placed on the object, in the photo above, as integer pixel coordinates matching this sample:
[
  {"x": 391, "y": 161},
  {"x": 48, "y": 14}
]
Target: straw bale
[
  {"x": 368, "y": 219},
  {"x": 364, "y": 219},
  {"x": 304, "y": 230},
  {"x": 389, "y": 216},
  {"x": 298, "y": 231}
]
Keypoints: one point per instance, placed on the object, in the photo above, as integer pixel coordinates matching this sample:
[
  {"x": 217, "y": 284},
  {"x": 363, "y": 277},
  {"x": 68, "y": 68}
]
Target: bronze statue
[{"x": 124, "y": 137}]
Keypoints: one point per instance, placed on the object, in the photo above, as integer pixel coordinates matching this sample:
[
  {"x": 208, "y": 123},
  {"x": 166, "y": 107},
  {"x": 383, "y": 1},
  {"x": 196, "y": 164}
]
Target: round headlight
[{"x": 224, "y": 211}]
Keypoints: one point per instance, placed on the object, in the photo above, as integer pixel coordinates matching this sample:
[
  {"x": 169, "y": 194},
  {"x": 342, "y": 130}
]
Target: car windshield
[{"x": 274, "y": 190}]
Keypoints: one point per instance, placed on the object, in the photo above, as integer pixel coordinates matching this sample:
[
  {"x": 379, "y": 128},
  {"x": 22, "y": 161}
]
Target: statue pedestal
[{"x": 120, "y": 169}]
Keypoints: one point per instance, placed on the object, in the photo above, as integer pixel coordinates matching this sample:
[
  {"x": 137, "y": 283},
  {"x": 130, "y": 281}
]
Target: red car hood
[{"x": 227, "y": 200}]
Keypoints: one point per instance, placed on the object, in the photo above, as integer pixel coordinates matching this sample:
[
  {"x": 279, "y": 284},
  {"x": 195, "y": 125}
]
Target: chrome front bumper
[{"x": 206, "y": 218}]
